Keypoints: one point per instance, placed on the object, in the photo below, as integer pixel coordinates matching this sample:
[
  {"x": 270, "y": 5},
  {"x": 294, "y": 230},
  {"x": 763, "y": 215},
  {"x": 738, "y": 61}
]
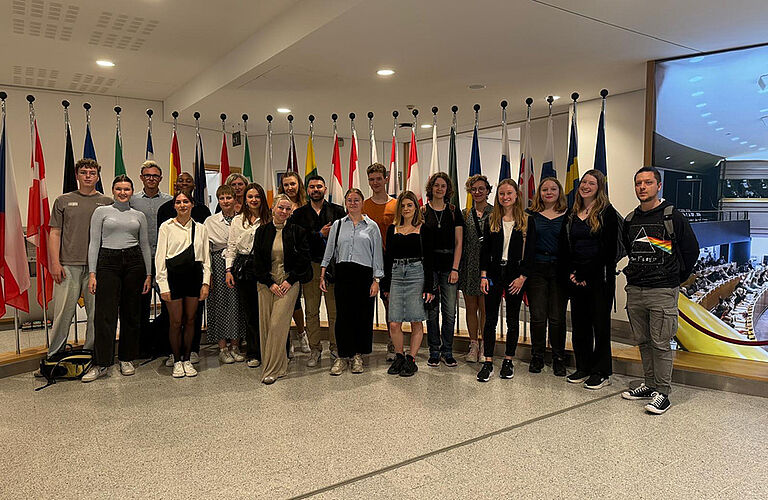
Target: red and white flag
[
  {"x": 337, "y": 186},
  {"x": 39, "y": 219},
  {"x": 354, "y": 170},
  {"x": 224, "y": 168},
  {"x": 526, "y": 181},
  {"x": 393, "y": 189},
  {"x": 414, "y": 178},
  {"x": 13, "y": 256}
]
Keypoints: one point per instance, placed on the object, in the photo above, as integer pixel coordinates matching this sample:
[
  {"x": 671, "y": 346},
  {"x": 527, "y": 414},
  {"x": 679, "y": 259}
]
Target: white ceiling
[{"x": 320, "y": 56}]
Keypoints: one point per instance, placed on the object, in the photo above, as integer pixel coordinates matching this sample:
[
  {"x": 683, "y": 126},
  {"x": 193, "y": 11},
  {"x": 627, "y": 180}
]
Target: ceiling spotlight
[
  {"x": 696, "y": 79},
  {"x": 104, "y": 63},
  {"x": 718, "y": 129},
  {"x": 385, "y": 72},
  {"x": 697, "y": 94},
  {"x": 743, "y": 142},
  {"x": 691, "y": 162},
  {"x": 283, "y": 110},
  {"x": 667, "y": 158},
  {"x": 701, "y": 104},
  {"x": 426, "y": 125},
  {"x": 753, "y": 145},
  {"x": 704, "y": 115},
  {"x": 476, "y": 86},
  {"x": 711, "y": 122}
]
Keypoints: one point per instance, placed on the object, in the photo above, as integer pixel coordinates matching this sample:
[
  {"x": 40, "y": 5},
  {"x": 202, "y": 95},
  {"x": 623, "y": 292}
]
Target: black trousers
[
  {"x": 492, "y": 303},
  {"x": 547, "y": 300},
  {"x": 354, "y": 309},
  {"x": 591, "y": 323},
  {"x": 248, "y": 297},
  {"x": 120, "y": 276}
]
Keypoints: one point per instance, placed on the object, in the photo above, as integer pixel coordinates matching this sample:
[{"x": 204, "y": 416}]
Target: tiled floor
[{"x": 440, "y": 434}]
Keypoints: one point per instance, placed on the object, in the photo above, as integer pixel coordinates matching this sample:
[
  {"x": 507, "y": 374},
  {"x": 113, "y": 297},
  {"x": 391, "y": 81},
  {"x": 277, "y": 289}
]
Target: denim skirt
[{"x": 405, "y": 293}]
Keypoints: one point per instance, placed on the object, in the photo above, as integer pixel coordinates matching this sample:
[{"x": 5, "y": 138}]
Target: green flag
[
  {"x": 452, "y": 168},
  {"x": 119, "y": 163},
  {"x": 247, "y": 162}
]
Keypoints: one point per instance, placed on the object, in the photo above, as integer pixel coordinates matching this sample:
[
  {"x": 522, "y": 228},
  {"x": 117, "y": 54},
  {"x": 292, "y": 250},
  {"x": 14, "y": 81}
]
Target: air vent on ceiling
[
  {"x": 95, "y": 84},
  {"x": 35, "y": 77},
  {"x": 52, "y": 20},
  {"x": 122, "y": 31}
]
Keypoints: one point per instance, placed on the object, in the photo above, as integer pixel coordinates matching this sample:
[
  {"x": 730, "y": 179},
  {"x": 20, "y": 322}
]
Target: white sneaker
[
  {"x": 253, "y": 363},
  {"x": 234, "y": 351},
  {"x": 178, "y": 370},
  {"x": 189, "y": 370},
  {"x": 94, "y": 373},
  {"x": 126, "y": 368},
  {"x": 194, "y": 358},
  {"x": 225, "y": 357},
  {"x": 170, "y": 361},
  {"x": 474, "y": 353},
  {"x": 304, "y": 342}
]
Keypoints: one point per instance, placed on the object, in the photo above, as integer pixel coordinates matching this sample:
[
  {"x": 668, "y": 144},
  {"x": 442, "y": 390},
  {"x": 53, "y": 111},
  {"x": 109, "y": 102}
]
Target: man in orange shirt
[{"x": 381, "y": 208}]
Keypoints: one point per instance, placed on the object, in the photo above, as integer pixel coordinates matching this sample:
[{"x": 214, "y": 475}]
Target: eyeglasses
[{"x": 152, "y": 176}]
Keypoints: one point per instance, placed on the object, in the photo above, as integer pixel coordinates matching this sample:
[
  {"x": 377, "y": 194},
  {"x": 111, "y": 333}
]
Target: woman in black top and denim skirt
[{"x": 589, "y": 257}]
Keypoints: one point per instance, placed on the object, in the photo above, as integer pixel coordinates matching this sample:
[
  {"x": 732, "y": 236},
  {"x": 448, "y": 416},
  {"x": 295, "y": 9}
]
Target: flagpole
[
  {"x": 395, "y": 114},
  {"x": 149, "y": 133},
  {"x": 371, "y": 138},
  {"x": 64, "y": 103},
  {"x": 3, "y": 97},
  {"x": 38, "y": 264}
]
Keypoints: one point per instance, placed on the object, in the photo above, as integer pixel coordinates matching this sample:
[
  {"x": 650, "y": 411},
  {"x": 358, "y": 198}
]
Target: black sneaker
[
  {"x": 659, "y": 405},
  {"x": 410, "y": 367},
  {"x": 507, "y": 369},
  {"x": 577, "y": 377},
  {"x": 558, "y": 367},
  {"x": 536, "y": 365},
  {"x": 485, "y": 372},
  {"x": 397, "y": 365},
  {"x": 450, "y": 361},
  {"x": 597, "y": 381},
  {"x": 434, "y": 360},
  {"x": 640, "y": 392}
]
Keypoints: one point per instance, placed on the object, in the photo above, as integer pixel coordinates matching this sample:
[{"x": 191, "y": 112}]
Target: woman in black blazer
[
  {"x": 502, "y": 269},
  {"x": 281, "y": 263},
  {"x": 589, "y": 260}
]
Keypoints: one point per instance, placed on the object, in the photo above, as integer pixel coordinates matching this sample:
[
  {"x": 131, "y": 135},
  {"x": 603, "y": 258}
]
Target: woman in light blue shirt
[{"x": 354, "y": 253}]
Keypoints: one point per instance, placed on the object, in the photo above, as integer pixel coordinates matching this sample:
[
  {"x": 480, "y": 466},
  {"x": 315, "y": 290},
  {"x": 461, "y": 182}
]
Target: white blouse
[
  {"x": 172, "y": 239},
  {"x": 240, "y": 239},
  {"x": 509, "y": 227},
  {"x": 218, "y": 231}
]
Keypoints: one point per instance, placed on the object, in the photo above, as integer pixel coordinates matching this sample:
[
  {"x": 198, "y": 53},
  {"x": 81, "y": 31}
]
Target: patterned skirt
[{"x": 225, "y": 319}]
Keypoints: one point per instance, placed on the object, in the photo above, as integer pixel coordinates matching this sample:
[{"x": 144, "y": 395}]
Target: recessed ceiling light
[
  {"x": 689, "y": 177},
  {"x": 697, "y": 94},
  {"x": 426, "y": 125},
  {"x": 761, "y": 149},
  {"x": 753, "y": 145},
  {"x": 476, "y": 86},
  {"x": 696, "y": 79},
  {"x": 668, "y": 157},
  {"x": 735, "y": 138},
  {"x": 743, "y": 142},
  {"x": 691, "y": 162},
  {"x": 704, "y": 115},
  {"x": 283, "y": 110},
  {"x": 764, "y": 110},
  {"x": 701, "y": 104},
  {"x": 711, "y": 122},
  {"x": 718, "y": 129},
  {"x": 104, "y": 63},
  {"x": 385, "y": 72}
]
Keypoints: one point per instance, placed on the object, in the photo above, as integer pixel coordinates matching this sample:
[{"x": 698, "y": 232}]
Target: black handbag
[
  {"x": 241, "y": 268},
  {"x": 184, "y": 261},
  {"x": 330, "y": 270}
]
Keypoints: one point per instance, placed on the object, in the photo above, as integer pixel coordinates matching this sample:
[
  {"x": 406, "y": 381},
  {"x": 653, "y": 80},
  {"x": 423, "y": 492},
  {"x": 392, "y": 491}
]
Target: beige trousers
[
  {"x": 274, "y": 322},
  {"x": 312, "y": 298}
]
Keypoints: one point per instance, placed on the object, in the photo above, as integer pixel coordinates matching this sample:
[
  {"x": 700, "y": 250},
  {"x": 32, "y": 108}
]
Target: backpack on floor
[{"x": 68, "y": 364}]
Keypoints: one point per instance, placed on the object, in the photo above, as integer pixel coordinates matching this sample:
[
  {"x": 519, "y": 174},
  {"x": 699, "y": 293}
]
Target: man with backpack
[{"x": 662, "y": 251}]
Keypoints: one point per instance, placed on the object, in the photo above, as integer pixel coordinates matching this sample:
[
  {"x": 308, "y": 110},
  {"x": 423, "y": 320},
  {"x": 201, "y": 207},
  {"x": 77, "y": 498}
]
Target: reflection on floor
[{"x": 440, "y": 434}]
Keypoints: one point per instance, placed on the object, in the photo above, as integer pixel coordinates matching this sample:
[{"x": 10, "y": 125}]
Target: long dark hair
[{"x": 264, "y": 213}]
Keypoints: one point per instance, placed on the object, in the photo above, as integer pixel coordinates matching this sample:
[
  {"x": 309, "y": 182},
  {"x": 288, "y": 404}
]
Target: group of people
[{"x": 252, "y": 261}]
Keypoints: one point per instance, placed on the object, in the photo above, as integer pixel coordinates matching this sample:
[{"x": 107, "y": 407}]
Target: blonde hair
[
  {"x": 601, "y": 201},
  {"x": 233, "y": 177},
  {"x": 281, "y": 197},
  {"x": 301, "y": 196},
  {"x": 417, "y": 216},
  {"x": 561, "y": 205},
  {"x": 518, "y": 214}
]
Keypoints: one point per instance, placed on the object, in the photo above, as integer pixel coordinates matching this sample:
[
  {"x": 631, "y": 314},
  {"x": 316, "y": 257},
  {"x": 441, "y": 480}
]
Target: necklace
[{"x": 439, "y": 218}]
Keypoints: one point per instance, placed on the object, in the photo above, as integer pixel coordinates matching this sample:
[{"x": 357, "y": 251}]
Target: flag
[
  {"x": 548, "y": 167},
  {"x": 393, "y": 188},
  {"x": 414, "y": 178},
  {"x": 119, "y": 163},
  {"x": 174, "y": 163},
  {"x": 572, "y": 174},
  {"x": 89, "y": 151},
  {"x": 311, "y": 168},
  {"x": 453, "y": 172},
  {"x": 526, "y": 182},
  {"x": 354, "y": 171},
  {"x": 293, "y": 164},
  {"x": 201, "y": 183},
  {"x": 600, "y": 160},
  {"x": 337, "y": 187},
  {"x": 505, "y": 172},
  {"x": 224, "y": 165},
  {"x": 70, "y": 176},
  {"x": 13, "y": 251},
  {"x": 434, "y": 163},
  {"x": 374, "y": 153},
  {"x": 38, "y": 221},
  {"x": 474, "y": 161},
  {"x": 150, "y": 154},
  {"x": 269, "y": 175},
  {"x": 247, "y": 170}
]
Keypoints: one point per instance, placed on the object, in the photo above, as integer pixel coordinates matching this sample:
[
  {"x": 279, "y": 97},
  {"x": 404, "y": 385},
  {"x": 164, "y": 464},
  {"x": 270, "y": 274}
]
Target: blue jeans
[{"x": 440, "y": 339}]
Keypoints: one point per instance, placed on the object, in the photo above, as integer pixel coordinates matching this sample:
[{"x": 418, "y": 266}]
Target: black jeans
[
  {"x": 591, "y": 323},
  {"x": 354, "y": 309},
  {"x": 492, "y": 303},
  {"x": 248, "y": 297},
  {"x": 120, "y": 276},
  {"x": 547, "y": 301}
]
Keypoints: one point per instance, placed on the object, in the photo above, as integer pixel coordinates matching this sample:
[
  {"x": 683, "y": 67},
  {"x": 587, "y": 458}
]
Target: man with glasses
[
  {"x": 148, "y": 201},
  {"x": 68, "y": 244}
]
